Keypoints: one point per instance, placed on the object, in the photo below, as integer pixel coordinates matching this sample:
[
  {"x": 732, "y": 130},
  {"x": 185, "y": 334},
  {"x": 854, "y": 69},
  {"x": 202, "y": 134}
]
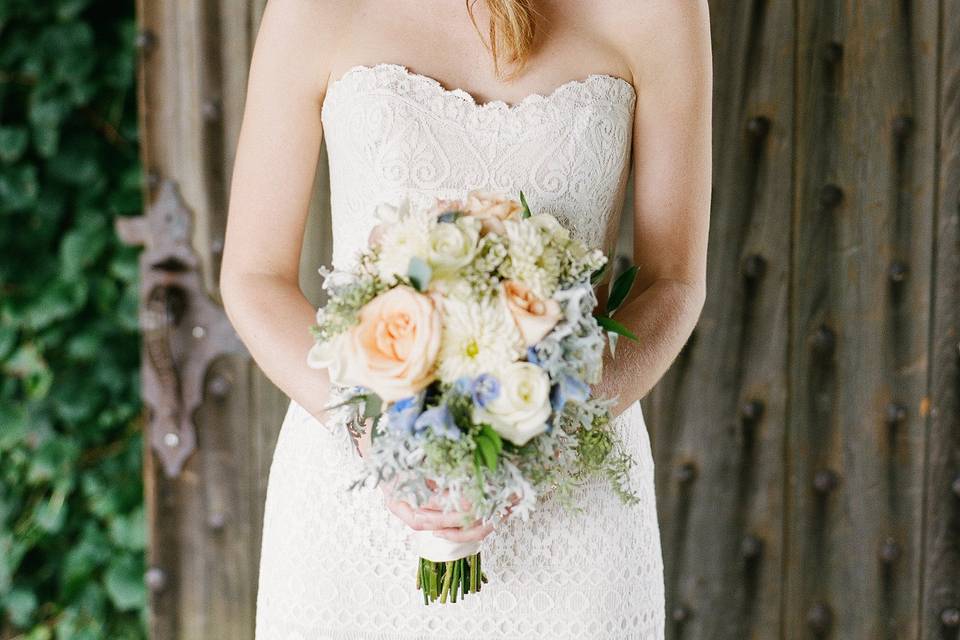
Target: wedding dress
[{"x": 335, "y": 564}]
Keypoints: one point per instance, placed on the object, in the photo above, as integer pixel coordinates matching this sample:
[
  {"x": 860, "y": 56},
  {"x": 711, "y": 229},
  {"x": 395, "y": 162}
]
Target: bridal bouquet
[{"x": 466, "y": 340}]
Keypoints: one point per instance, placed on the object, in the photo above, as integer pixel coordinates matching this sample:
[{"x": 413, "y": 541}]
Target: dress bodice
[{"x": 392, "y": 133}]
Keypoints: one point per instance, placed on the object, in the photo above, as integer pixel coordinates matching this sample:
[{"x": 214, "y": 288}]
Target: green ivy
[{"x": 72, "y": 531}]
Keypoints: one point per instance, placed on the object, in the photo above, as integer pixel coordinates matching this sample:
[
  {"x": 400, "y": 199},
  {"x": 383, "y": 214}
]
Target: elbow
[{"x": 228, "y": 288}]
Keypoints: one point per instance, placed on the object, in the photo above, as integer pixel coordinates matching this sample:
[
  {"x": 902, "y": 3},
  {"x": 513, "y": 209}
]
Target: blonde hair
[{"x": 511, "y": 32}]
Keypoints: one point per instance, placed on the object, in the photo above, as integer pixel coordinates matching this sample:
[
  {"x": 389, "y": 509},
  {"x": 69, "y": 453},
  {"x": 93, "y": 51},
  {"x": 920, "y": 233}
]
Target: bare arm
[
  {"x": 271, "y": 187},
  {"x": 672, "y": 165}
]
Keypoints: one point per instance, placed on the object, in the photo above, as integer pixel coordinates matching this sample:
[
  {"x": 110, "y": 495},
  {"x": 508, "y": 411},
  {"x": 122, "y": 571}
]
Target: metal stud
[
  {"x": 758, "y": 127},
  {"x": 890, "y": 551},
  {"x": 833, "y": 52},
  {"x": 955, "y": 487},
  {"x": 680, "y": 613},
  {"x": 216, "y": 520},
  {"x": 902, "y": 126},
  {"x": 145, "y": 41},
  {"x": 819, "y": 617},
  {"x": 896, "y": 413},
  {"x": 825, "y": 481},
  {"x": 823, "y": 340},
  {"x": 155, "y": 578},
  {"x": 686, "y": 472},
  {"x": 171, "y": 439},
  {"x": 198, "y": 332},
  {"x": 831, "y": 195},
  {"x": 751, "y": 547},
  {"x": 753, "y": 267},
  {"x": 211, "y": 110},
  {"x": 219, "y": 386},
  {"x": 897, "y": 272},
  {"x": 950, "y": 617},
  {"x": 752, "y": 410}
]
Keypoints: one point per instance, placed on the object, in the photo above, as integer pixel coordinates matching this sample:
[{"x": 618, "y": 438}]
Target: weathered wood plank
[
  {"x": 718, "y": 415},
  {"x": 859, "y": 316},
  {"x": 941, "y": 541}
]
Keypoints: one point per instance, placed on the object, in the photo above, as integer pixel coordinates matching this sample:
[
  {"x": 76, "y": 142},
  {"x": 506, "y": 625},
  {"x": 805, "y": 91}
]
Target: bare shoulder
[
  {"x": 657, "y": 35},
  {"x": 297, "y": 41}
]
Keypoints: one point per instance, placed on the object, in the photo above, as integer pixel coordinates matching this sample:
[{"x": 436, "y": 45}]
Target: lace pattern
[
  {"x": 336, "y": 565},
  {"x": 392, "y": 133}
]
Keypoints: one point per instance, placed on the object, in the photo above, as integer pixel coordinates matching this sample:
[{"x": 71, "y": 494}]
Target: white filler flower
[
  {"x": 477, "y": 337},
  {"x": 521, "y": 408}
]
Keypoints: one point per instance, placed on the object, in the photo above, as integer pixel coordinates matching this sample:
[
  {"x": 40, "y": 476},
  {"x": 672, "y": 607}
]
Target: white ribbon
[{"x": 438, "y": 549}]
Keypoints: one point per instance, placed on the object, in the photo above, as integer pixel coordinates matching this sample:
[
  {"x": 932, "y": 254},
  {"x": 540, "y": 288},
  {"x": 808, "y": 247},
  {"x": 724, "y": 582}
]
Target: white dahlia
[
  {"x": 405, "y": 236},
  {"x": 478, "y": 336}
]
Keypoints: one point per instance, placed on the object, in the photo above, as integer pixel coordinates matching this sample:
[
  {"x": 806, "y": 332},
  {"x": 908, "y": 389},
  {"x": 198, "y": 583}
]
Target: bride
[{"x": 563, "y": 99}]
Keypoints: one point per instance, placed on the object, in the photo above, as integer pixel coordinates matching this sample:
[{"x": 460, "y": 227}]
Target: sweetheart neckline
[{"x": 467, "y": 97}]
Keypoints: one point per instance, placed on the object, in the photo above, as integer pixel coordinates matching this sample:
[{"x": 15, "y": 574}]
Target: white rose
[
  {"x": 546, "y": 222},
  {"x": 453, "y": 245},
  {"x": 520, "y": 409},
  {"x": 326, "y": 355}
]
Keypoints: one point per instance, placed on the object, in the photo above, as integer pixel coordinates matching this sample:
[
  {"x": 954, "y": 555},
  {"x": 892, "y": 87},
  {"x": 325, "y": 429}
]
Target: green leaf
[
  {"x": 526, "y": 208},
  {"x": 613, "y": 326},
  {"x": 491, "y": 433},
  {"x": 123, "y": 580},
  {"x": 419, "y": 273},
  {"x": 20, "y": 605},
  {"x": 597, "y": 276},
  {"x": 13, "y": 142},
  {"x": 621, "y": 288},
  {"x": 488, "y": 451},
  {"x": 372, "y": 406}
]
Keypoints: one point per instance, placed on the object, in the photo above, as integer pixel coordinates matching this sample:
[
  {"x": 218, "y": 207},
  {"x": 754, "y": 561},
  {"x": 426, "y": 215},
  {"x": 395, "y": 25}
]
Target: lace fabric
[{"x": 335, "y": 564}]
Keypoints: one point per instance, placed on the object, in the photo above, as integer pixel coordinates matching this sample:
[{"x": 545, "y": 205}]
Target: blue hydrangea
[
  {"x": 567, "y": 389},
  {"x": 485, "y": 388},
  {"x": 439, "y": 420},
  {"x": 402, "y": 414}
]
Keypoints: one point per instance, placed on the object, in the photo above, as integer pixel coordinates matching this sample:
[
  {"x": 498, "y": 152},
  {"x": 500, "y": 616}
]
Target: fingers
[{"x": 470, "y": 534}]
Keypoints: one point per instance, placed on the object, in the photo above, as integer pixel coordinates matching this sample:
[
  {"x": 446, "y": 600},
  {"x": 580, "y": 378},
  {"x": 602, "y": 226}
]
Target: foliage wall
[{"x": 71, "y": 508}]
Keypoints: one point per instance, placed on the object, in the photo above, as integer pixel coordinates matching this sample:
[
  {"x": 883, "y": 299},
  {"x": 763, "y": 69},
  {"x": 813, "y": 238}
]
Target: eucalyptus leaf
[
  {"x": 419, "y": 273},
  {"x": 372, "y": 406},
  {"x": 613, "y": 326}
]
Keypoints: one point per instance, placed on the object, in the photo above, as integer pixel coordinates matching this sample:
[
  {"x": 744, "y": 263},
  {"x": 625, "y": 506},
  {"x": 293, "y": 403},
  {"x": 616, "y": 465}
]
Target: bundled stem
[{"x": 445, "y": 581}]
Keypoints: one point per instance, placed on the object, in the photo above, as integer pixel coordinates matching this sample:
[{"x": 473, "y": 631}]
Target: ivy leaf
[
  {"x": 621, "y": 288},
  {"x": 613, "y": 326},
  {"x": 13, "y": 142},
  {"x": 123, "y": 580},
  {"x": 526, "y": 208},
  {"x": 419, "y": 273}
]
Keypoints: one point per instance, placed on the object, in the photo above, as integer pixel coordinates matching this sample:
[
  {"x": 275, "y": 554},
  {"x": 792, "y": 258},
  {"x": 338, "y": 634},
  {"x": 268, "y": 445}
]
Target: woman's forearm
[
  {"x": 272, "y": 318},
  {"x": 662, "y": 316}
]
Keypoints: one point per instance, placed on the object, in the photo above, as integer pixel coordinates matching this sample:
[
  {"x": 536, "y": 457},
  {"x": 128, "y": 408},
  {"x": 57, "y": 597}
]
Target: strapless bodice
[{"x": 391, "y": 133}]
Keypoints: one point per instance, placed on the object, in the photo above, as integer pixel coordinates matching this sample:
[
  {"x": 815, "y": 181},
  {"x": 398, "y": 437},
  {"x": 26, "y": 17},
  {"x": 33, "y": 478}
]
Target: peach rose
[
  {"x": 534, "y": 316},
  {"x": 393, "y": 347},
  {"x": 491, "y": 209}
]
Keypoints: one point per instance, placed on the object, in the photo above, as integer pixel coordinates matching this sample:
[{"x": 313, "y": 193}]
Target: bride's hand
[{"x": 431, "y": 517}]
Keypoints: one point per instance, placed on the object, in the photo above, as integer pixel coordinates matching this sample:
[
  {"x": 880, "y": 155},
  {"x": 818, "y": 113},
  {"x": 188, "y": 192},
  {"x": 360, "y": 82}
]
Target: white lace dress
[{"x": 336, "y": 565}]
